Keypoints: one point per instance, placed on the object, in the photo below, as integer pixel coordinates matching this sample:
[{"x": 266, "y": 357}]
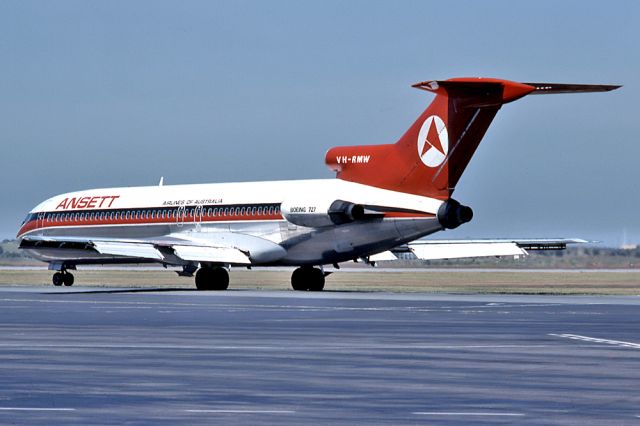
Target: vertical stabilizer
[{"x": 431, "y": 156}]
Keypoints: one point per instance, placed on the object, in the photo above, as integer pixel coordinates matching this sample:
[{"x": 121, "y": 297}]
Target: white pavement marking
[
  {"x": 35, "y": 409},
  {"x": 618, "y": 343},
  {"x": 452, "y": 413},
  {"x": 241, "y": 411}
]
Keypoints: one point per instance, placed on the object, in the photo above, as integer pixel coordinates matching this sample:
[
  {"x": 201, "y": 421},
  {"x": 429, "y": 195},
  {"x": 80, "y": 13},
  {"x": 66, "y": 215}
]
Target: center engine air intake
[{"x": 452, "y": 214}]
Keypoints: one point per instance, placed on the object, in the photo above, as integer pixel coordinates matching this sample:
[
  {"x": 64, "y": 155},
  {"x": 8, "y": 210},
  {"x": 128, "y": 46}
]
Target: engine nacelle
[
  {"x": 453, "y": 214},
  {"x": 317, "y": 214}
]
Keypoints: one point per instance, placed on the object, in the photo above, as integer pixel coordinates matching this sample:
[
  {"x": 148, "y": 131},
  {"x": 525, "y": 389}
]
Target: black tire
[
  {"x": 316, "y": 280},
  {"x": 307, "y": 278},
  {"x": 220, "y": 279},
  {"x": 203, "y": 279},
  {"x": 299, "y": 280},
  {"x": 67, "y": 279},
  {"x": 57, "y": 279},
  {"x": 212, "y": 279}
]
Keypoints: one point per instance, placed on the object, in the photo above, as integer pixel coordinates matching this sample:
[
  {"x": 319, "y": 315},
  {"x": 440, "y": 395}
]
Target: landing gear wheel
[
  {"x": 307, "y": 278},
  {"x": 316, "y": 281},
  {"x": 67, "y": 279},
  {"x": 57, "y": 279},
  {"x": 298, "y": 280},
  {"x": 212, "y": 279}
]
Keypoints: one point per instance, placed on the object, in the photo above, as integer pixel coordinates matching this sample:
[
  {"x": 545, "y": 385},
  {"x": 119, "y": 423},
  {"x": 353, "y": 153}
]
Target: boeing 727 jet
[{"x": 384, "y": 199}]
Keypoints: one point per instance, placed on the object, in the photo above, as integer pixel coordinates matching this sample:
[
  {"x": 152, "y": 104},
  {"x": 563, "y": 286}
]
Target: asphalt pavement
[{"x": 87, "y": 356}]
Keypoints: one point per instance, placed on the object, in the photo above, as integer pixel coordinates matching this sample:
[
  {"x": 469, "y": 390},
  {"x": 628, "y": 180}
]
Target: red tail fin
[{"x": 430, "y": 157}]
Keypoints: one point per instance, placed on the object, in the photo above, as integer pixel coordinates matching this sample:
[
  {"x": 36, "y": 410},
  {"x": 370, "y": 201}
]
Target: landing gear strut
[
  {"x": 307, "y": 278},
  {"x": 212, "y": 278},
  {"x": 62, "y": 277}
]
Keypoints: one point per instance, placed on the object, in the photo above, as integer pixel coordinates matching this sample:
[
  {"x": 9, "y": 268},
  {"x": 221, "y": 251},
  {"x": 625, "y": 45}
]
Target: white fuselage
[{"x": 267, "y": 216}]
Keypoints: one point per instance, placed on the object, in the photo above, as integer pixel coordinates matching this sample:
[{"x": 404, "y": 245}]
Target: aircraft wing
[
  {"x": 458, "y": 249},
  {"x": 173, "y": 250}
]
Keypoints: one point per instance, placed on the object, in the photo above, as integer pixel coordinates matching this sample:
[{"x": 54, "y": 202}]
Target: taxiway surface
[{"x": 87, "y": 356}]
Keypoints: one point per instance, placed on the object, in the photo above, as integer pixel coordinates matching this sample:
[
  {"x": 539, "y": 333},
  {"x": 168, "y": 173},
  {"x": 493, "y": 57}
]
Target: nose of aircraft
[{"x": 29, "y": 223}]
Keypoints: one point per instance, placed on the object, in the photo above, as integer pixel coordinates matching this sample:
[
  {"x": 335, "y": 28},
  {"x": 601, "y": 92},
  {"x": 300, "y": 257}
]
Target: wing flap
[
  {"x": 457, "y": 250},
  {"x": 211, "y": 254},
  {"x": 381, "y": 257},
  {"x": 138, "y": 250}
]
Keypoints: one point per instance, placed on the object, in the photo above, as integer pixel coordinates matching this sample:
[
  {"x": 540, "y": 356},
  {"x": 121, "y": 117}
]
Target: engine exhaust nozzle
[{"x": 453, "y": 214}]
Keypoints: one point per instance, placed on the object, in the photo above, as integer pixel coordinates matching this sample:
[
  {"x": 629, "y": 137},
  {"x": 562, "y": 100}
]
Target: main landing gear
[
  {"x": 62, "y": 277},
  {"x": 307, "y": 278},
  {"x": 215, "y": 278}
]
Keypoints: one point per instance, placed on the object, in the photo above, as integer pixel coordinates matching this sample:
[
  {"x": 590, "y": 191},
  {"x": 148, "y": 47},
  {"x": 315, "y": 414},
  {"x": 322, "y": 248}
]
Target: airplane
[{"x": 383, "y": 201}]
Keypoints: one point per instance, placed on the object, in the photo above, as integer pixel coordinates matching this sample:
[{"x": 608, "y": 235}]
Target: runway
[{"x": 87, "y": 356}]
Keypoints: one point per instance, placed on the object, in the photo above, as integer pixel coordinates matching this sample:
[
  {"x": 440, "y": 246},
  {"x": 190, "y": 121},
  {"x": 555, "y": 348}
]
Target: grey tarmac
[{"x": 159, "y": 356}]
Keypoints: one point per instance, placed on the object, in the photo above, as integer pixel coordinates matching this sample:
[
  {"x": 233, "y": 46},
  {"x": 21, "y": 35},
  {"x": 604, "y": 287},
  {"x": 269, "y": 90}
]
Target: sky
[{"x": 118, "y": 93}]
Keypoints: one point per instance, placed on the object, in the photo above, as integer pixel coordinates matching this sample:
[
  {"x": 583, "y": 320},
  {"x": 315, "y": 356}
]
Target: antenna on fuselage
[{"x": 161, "y": 183}]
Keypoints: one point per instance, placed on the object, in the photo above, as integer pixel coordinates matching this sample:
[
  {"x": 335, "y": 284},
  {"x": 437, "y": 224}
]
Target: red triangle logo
[{"x": 433, "y": 140}]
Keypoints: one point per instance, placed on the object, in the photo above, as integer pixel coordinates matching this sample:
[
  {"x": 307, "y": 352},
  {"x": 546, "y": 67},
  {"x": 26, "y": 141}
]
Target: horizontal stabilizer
[
  {"x": 492, "y": 91},
  {"x": 549, "y": 88}
]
